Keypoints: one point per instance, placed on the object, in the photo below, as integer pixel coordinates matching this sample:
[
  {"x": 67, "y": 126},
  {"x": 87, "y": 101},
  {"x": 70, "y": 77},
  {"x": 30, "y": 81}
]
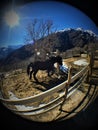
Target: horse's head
[
  {"x": 59, "y": 60},
  {"x": 56, "y": 59}
]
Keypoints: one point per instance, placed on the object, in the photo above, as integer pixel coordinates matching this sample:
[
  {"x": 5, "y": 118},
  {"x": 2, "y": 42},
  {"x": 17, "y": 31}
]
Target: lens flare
[{"x": 11, "y": 18}]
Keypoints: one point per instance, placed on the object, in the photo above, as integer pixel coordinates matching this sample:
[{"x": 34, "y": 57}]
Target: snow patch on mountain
[{"x": 79, "y": 29}]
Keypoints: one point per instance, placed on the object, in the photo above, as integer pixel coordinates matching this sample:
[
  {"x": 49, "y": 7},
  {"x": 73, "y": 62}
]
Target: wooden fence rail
[{"x": 44, "y": 107}]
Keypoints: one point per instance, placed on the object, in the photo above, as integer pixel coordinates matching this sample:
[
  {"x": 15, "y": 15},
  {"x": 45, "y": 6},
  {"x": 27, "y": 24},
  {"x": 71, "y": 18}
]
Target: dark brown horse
[{"x": 43, "y": 65}]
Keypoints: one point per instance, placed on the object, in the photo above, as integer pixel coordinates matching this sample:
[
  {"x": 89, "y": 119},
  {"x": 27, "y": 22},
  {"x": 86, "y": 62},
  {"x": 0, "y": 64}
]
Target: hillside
[
  {"x": 63, "y": 40},
  {"x": 5, "y": 51}
]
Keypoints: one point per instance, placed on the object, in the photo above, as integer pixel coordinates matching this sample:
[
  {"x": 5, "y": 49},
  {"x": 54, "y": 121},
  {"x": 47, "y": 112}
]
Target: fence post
[
  {"x": 69, "y": 75},
  {"x": 66, "y": 86}
]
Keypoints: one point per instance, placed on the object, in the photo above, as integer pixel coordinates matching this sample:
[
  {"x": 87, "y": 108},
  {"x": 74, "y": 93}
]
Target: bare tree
[{"x": 39, "y": 28}]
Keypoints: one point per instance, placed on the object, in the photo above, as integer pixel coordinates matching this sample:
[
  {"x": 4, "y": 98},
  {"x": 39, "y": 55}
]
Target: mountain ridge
[{"x": 62, "y": 40}]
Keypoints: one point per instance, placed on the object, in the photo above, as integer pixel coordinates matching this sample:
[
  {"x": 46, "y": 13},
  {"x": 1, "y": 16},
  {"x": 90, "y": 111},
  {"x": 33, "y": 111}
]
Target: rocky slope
[{"x": 61, "y": 40}]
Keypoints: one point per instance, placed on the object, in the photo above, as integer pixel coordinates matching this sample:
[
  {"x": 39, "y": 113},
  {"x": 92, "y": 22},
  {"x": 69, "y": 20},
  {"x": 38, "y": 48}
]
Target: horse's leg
[
  {"x": 48, "y": 71},
  {"x": 34, "y": 75},
  {"x": 31, "y": 74},
  {"x": 58, "y": 68},
  {"x": 52, "y": 71}
]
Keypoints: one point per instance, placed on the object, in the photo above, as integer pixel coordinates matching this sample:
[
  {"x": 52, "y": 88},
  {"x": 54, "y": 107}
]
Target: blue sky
[{"x": 62, "y": 15}]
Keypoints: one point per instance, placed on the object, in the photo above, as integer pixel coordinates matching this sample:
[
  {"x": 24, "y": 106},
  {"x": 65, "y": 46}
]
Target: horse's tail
[{"x": 28, "y": 68}]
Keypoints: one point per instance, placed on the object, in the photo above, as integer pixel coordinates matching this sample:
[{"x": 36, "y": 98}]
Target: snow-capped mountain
[
  {"x": 61, "y": 40},
  {"x": 79, "y": 29}
]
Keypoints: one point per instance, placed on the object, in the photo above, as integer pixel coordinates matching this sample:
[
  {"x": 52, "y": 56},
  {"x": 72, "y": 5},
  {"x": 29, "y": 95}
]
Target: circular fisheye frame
[{"x": 48, "y": 61}]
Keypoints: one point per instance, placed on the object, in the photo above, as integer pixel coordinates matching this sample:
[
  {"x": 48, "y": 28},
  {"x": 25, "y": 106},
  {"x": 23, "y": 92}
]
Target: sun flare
[{"x": 11, "y": 18}]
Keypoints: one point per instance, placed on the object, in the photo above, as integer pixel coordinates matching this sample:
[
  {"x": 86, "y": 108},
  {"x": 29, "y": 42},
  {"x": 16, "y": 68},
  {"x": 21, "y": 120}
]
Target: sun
[{"x": 11, "y": 18}]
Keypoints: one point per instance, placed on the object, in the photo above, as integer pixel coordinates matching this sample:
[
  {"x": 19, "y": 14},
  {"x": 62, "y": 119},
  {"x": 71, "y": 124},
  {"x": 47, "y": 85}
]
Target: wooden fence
[{"x": 61, "y": 90}]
